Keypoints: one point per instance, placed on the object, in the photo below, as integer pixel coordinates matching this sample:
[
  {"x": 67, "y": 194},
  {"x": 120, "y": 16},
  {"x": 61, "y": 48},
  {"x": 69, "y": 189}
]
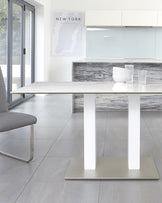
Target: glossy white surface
[
  {"x": 89, "y": 88},
  {"x": 120, "y": 74},
  {"x": 134, "y": 132},
  {"x": 122, "y": 18},
  {"x": 103, "y": 18},
  {"x": 139, "y": 18},
  {"x": 89, "y": 132}
]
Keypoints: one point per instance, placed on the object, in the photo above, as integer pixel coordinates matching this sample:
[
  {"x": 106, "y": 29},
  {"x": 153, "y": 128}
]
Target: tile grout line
[
  {"x": 99, "y": 192},
  {"x": 55, "y": 140},
  {"x": 105, "y": 135}
]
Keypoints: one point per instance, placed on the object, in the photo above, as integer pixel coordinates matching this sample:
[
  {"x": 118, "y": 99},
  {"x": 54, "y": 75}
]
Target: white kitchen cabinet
[
  {"x": 159, "y": 18},
  {"x": 103, "y": 18},
  {"x": 139, "y": 18}
]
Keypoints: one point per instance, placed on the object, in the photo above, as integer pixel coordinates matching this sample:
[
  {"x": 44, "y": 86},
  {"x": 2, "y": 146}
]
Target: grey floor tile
[
  {"x": 74, "y": 127},
  {"x": 67, "y": 148},
  {"x": 51, "y": 170},
  {"x": 116, "y": 134},
  {"x": 24, "y": 133},
  {"x": 21, "y": 148},
  {"x": 14, "y": 171},
  {"x": 42, "y": 192},
  {"x": 10, "y": 191},
  {"x": 60, "y": 192},
  {"x": 154, "y": 125},
  {"x": 47, "y": 132},
  {"x": 73, "y": 147},
  {"x": 47, "y": 183},
  {"x": 52, "y": 122},
  {"x": 80, "y": 192},
  {"x": 130, "y": 191},
  {"x": 19, "y": 133}
]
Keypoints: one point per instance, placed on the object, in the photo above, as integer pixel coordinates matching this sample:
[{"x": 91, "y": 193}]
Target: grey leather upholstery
[{"x": 13, "y": 120}]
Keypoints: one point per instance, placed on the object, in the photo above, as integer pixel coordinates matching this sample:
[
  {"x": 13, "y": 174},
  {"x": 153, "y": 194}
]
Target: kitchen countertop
[{"x": 118, "y": 61}]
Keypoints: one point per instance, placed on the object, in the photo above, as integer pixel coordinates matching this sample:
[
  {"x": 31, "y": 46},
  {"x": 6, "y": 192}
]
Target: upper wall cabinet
[
  {"x": 139, "y": 18},
  {"x": 103, "y": 18},
  {"x": 124, "y": 18},
  {"x": 159, "y": 21}
]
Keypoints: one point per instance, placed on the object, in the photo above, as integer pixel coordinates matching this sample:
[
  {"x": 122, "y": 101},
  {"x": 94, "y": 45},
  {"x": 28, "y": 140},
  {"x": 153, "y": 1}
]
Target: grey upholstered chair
[{"x": 13, "y": 120}]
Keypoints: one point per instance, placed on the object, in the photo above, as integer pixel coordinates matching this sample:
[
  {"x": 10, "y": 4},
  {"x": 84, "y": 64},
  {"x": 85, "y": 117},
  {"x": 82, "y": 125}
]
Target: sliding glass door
[
  {"x": 3, "y": 39},
  {"x": 28, "y": 45},
  {"x": 21, "y": 17},
  {"x": 17, "y": 45}
]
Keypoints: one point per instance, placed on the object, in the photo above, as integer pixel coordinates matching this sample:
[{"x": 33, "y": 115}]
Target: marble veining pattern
[{"x": 101, "y": 71}]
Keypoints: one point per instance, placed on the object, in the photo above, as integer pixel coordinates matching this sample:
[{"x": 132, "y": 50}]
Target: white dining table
[{"x": 90, "y": 167}]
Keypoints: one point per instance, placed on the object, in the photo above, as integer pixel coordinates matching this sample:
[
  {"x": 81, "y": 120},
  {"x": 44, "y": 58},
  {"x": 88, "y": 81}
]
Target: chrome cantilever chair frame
[{"x": 31, "y": 148}]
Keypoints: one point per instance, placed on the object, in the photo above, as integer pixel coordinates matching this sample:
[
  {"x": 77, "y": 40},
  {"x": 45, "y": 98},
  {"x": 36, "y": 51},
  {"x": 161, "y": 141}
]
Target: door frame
[{"x": 24, "y": 5}]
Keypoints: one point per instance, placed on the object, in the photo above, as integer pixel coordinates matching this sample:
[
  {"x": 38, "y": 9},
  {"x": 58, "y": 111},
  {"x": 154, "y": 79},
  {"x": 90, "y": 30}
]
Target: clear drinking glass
[
  {"x": 130, "y": 69},
  {"x": 142, "y": 74}
]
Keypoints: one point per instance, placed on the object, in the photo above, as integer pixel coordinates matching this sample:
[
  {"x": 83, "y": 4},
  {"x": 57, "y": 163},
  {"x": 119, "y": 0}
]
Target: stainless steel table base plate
[{"x": 109, "y": 168}]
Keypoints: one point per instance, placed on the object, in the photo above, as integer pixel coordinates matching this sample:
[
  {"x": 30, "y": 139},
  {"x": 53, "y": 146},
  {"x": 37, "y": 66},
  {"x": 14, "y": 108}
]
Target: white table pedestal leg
[
  {"x": 111, "y": 167},
  {"x": 89, "y": 132},
  {"x": 134, "y": 132}
]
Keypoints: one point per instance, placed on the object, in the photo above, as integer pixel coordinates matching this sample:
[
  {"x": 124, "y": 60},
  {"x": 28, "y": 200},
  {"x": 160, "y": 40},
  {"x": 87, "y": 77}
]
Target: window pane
[
  {"x": 3, "y": 38},
  {"x": 16, "y": 49},
  {"x": 28, "y": 37}
]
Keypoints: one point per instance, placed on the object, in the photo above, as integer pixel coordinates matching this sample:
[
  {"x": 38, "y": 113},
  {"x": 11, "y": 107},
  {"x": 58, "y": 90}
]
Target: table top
[{"x": 88, "y": 88}]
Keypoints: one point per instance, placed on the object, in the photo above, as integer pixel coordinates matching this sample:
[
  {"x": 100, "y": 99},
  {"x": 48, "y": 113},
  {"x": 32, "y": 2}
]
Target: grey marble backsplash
[{"x": 99, "y": 71}]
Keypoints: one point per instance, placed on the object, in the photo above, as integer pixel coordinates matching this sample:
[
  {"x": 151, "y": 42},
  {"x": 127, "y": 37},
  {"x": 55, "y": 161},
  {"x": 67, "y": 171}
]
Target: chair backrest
[{"x": 3, "y": 99}]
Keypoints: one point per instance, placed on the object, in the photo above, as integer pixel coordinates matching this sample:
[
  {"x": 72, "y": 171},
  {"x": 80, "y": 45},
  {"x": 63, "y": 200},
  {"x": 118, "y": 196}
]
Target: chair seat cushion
[{"x": 13, "y": 120}]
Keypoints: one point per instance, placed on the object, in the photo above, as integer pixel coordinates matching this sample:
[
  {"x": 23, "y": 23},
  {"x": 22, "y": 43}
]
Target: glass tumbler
[
  {"x": 130, "y": 69},
  {"x": 142, "y": 74}
]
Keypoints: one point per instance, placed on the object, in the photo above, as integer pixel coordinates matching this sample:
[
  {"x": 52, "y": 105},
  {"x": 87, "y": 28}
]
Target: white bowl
[{"x": 120, "y": 74}]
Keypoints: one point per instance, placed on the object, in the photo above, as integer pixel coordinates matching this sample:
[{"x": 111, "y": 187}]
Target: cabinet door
[
  {"x": 159, "y": 21},
  {"x": 103, "y": 18},
  {"x": 139, "y": 18}
]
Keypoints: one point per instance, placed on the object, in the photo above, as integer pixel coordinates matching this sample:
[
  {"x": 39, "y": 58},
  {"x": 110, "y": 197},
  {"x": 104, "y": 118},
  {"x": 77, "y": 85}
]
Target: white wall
[
  {"x": 106, "y": 4},
  {"x": 39, "y": 38},
  {"x": 59, "y": 68},
  {"x": 39, "y": 43}
]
